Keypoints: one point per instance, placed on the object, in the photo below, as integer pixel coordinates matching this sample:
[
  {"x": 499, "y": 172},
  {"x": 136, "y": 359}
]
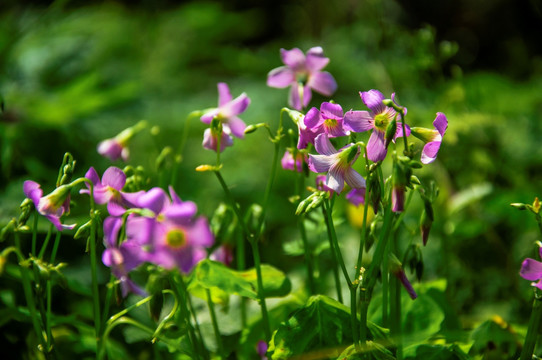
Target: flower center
[
  {"x": 302, "y": 77},
  {"x": 381, "y": 122},
  {"x": 176, "y": 238},
  {"x": 330, "y": 123}
]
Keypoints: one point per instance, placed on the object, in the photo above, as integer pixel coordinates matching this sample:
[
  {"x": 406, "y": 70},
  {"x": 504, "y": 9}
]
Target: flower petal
[
  {"x": 93, "y": 176},
  {"x": 320, "y": 163},
  {"x": 175, "y": 199},
  {"x": 224, "y": 94},
  {"x": 315, "y": 60},
  {"x": 358, "y": 121},
  {"x": 294, "y": 100},
  {"x": 354, "y": 179},
  {"x": 140, "y": 229},
  {"x": 111, "y": 228},
  {"x": 155, "y": 200},
  {"x": 323, "y": 145},
  {"x": 376, "y": 150},
  {"x": 200, "y": 234},
  {"x": 331, "y": 111},
  {"x": 280, "y": 77},
  {"x": 429, "y": 153},
  {"x": 312, "y": 118},
  {"x": 323, "y": 83},
  {"x": 33, "y": 191},
  {"x": 181, "y": 214},
  {"x": 294, "y": 59},
  {"x": 356, "y": 196},
  {"x": 235, "y": 107},
  {"x": 373, "y": 100},
  {"x": 441, "y": 123},
  {"x": 114, "y": 177},
  {"x": 335, "y": 178},
  {"x": 115, "y": 207},
  {"x": 236, "y": 126},
  {"x": 209, "y": 116},
  {"x": 531, "y": 269}
]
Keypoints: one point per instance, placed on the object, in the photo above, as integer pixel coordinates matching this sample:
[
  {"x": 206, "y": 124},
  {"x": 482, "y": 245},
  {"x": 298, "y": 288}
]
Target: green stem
[
  {"x": 395, "y": 307},
  {"x": 385, "y": 290},
  {"x": 27, "y": 287},
  {"x": 180, "y": 150},
  {"x": 308, "y": 254},
  {"x": 261, "y": 295},
  {"x": 188, "y": 309},
  {"x": 329, "y": 214},
  {"x": 354, "y": 315},
  {"x": 34, "y": 233},
  {"x": 46, "y": 242},
  {"x": 108, "y": 295},
  {"x": 532, "y": 330},
  {"x": 334, "y": 265},
  {"x": 215, "y": 324},
  {"x": 369, "y": 279},
  {"x": 94, "y": 277}
]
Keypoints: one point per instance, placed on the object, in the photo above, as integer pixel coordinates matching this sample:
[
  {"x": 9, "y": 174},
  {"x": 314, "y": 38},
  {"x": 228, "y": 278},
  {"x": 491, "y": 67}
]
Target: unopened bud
[
  {"x": 536, "y": 205},
  {"x": 295, "y": 115},
  {"x": 520, "y": 206},
  {"x": 253, "y": 218},
  {"x": 390, "y": 132}
]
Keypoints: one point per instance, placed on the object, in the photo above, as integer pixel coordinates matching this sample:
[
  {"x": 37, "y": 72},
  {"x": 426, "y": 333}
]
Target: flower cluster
[{"x": 159, "y": 229}]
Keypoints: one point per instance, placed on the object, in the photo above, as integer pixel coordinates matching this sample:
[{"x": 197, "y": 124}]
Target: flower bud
[
  {"x": 396, "y": 268},
  {"x": 390, "y": 132},
  {"x": 295, "y": 115},
  {"x": 223, "y": 222},
  {"x": 253, "y": 218}
]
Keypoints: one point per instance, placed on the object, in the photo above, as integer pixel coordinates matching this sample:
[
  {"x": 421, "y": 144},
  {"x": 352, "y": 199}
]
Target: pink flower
[
  {"x": 337, "y": 164},
  {"x": 108, "y": 190},
  {"x": 302, "y": 73},
  {"x": 377, "y": 119},
  {"x": 432, "y": 138},
  {"x": 288, "y": 162},
  {"x": 53, "y": 205},
  {"x": 227, "y": 111}
]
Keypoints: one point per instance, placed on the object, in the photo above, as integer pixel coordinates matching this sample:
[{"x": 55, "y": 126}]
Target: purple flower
[
  {"x": 337, "y": 164},
  {"x": 432, "y": 138},
  {"x": 117, "y": 147},
  {"x": 396, "y": 268},
  {"x": 261, "y": 347},
  {"x": 210, "y": 140},
  {"x": 398, "y": 198},
  {"x": 321, "y": 184},
  {"x": 174, "y": 236},
  {"x": 52, "y": 206},
  {"x": 227, "y": 111},
  {"x": 356, "y": 196},
  {"x": 122, "y": 258},
  {"x": 377, "y": 119},
  {"x": 222, "y": 254},
  {"x": 302, "y": 73},
  {"x": 113, "y": 149},
  {"x": 108, "y": 190},
  {"x": 288, "y": 162},
  {"x": 532, "y": 270},
  {"x": 328, "y": 119}
]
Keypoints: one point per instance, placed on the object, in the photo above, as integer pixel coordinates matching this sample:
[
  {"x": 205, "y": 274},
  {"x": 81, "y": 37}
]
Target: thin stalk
[
  {"x": 94, "y": 277},
  {"x": 395, "y": 306},
  {"x": 261, "y": 295},
  {"x": 331, "y": 227},
  {"x": 188, "y": 309},
  {"x": 108, "y": 295},
  {"x": 308, "y": 254},
  {"x": 184, "y": 137},
  {"x": 27, "y": 287},
  {"x": 385, "y": 290},
  {"x": 369, "y": 280},
  {"x": 215, "y": 324},
  {"x": 49, "y": 297},
  {"x": 354, "y": 315},
  {"x": 335, "y": 265},
  {"x": 34, "y": 233},
  {"x": 45, "y": 242},
  {"x": 532, "y": 330}
]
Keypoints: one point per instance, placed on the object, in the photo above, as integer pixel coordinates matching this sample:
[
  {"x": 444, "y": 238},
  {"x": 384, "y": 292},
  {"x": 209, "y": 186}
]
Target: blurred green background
[{"x": 73, "y": 73}]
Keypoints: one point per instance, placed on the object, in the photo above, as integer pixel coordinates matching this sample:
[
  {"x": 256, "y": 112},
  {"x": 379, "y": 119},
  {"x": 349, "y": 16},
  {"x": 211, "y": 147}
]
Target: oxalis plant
[{"x": 185, "y": 270}]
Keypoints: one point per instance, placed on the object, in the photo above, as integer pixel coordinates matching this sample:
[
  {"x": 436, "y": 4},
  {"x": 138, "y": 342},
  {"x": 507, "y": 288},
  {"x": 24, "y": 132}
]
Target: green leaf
[
  {"x": 495, "y": 339},
  {"x": 434, "y": 352},
  {"x": 371, "y": 351},
  {"x": 223, "y": 281},
  {"x": 322, "y": 326}
]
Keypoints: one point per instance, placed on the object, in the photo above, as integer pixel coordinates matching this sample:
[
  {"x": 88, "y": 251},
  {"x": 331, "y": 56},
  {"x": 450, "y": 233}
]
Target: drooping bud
[
  {"x": 396, "y": 268},
  {"x": 223, "y": 223},
  {"x": 253, "y": 218}
]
